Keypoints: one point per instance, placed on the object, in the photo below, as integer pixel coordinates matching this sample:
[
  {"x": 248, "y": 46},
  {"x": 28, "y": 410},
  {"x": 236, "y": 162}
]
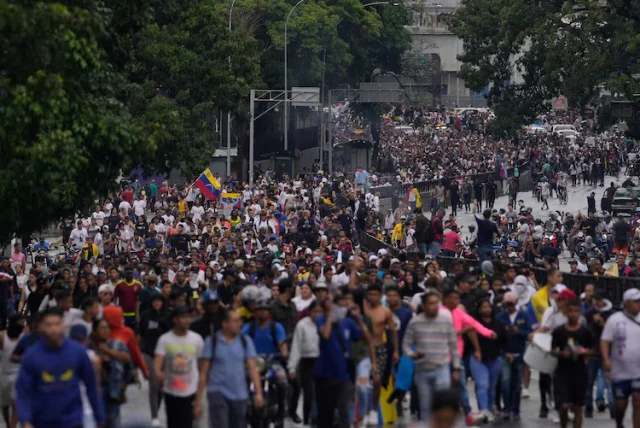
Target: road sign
[{"x": 305, "y": 97}]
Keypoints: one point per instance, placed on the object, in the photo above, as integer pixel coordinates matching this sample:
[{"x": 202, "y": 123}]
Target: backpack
[
  {"x": 214, "y": 342},
  {"x": 252, "y": 334}
]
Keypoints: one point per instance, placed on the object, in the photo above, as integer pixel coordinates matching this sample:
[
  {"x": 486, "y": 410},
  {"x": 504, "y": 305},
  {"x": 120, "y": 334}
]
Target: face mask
[{"x": 339, "y": 314}]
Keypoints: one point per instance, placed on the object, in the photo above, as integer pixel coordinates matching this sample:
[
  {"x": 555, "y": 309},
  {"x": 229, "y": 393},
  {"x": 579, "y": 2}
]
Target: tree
[
  {"x": 188, "y": 65},
  {"x": 65, "y": 135},
  {"x": 557, "y": 47}
]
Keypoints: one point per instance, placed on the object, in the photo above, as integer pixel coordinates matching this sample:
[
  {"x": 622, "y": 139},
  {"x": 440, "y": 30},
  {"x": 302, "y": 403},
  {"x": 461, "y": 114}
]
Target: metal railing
[
  {"x": 430, "y": 185},
  {"x": 612, "y": 287}
]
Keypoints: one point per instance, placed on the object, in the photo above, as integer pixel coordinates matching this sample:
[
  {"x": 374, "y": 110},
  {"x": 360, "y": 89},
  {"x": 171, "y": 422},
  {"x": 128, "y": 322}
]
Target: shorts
[
  {"x": 621, "y": 247},
  {"x": 622, "y": 389},
  {"x": 7, "y": 389},
  {"x": 569, "y": 388},
  {"x": 381, "y": 358}
]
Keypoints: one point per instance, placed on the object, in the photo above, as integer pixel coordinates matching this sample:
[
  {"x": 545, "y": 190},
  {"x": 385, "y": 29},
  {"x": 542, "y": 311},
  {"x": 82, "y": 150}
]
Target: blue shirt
[
  {"x": 263, "y": 340},
  {"x": 228, "y": 372},
  {"x": 48, "y": 386},
  {"x": 331, "y": 363},
  {"x": 404, "y": 315},
  {"x": 151, "y": 242}
]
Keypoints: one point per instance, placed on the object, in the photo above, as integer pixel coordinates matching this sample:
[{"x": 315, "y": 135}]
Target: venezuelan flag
[
  {"x": 231, "y": 198},
  {"x": 208, "y": 185}
]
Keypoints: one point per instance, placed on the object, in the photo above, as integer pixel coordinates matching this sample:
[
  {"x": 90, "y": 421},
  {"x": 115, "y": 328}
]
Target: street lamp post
[
  {"x": 286, "y": 75},
  {"x": 228, "y": 112}
]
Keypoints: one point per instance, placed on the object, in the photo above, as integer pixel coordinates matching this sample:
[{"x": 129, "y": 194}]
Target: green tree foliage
[
  {"x": 65, "y": 135},
  {"x": 558, "y": 47},
  {"x": 187, "y": 65}
]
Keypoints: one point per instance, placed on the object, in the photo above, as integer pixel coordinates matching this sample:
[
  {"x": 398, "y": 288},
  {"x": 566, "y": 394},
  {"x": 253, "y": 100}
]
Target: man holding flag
[{"x": 208, "y": 185}]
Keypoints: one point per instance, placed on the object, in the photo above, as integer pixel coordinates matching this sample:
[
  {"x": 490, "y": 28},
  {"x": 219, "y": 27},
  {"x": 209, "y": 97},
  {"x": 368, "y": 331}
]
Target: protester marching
[{"x": 267, "y": 304}]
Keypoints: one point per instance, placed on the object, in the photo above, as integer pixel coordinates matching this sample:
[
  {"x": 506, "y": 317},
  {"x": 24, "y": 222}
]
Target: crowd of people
[{"x": 270, "y": 299}]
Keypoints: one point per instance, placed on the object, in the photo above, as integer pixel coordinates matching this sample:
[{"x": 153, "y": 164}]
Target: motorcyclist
[
  {"x": 249, "y": 296},
  {"x": 90, "y": 251},
  {"x": 589, "y": 248},
  {"x": 42, "y": 244},
  {"x": 270, "y": 340}
]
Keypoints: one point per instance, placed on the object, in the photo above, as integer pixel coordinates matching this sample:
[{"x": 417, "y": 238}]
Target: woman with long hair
[
  {"x": 31, "y": 286},
  {"x": 486, "y": 371}
]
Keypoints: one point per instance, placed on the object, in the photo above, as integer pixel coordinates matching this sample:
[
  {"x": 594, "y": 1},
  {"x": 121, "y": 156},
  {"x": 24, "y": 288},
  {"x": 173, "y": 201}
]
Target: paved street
[{"x": 137, "y": 409}]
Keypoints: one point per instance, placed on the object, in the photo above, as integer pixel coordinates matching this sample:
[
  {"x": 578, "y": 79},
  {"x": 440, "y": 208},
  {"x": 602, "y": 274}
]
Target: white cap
[
  {"x": 631, "y": 295},
  {"x": 559, "y": 288},
  {"x": 105, "y": 287},
  {"x": 395, "y": 261},
  {"x": 373, "y": 258},
  {"x": 278, "y": 267},
  {"x": 382, "y": 252}
]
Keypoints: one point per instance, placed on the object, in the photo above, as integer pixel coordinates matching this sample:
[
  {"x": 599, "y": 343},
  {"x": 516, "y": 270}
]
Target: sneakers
[
  {"x": 525, "y": 393},
  {"x": 155, "y": 423},
  {"x": 372, "y": 418},
  {"x": 601, "y": 407},
  {"x": 488, "y": 416},
  {"x": 474, "y": 418}
]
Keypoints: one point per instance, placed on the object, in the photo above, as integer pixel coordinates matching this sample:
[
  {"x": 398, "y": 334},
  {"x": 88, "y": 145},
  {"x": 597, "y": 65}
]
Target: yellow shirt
[
  {"x": 396, "y": 235},
  {"x": 183, "y": 207}
]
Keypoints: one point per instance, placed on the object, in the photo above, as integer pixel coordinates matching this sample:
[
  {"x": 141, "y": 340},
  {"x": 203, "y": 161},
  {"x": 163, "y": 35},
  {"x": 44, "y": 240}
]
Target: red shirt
[
  {"x": 127, "y": 195},
  {"x": 127, "y": 295}
]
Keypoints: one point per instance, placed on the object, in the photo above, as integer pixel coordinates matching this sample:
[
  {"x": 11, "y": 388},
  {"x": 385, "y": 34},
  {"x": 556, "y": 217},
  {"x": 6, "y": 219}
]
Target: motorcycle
[
  {"x": 602, "y": 243},
  {"x": 266, "y": 415}
]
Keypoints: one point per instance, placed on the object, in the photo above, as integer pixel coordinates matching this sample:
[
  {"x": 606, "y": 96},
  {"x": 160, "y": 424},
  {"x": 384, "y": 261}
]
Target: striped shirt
[{"x": 434, "y": 338}]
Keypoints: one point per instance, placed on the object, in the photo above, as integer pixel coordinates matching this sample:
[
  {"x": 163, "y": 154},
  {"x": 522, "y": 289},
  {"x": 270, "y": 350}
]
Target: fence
[
  {"x": 430, "y": 185},
  {"x": 612, "y": 287}
]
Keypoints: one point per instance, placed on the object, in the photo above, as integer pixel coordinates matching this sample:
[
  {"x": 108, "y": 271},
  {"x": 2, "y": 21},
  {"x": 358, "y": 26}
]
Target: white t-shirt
[
  {"x": 98, "y": 217},
  {"x": 139, "y": 206},
  {"x": 78, "y": 237},
  {"x": 197, "y": 212},
  {"x": 624, "y": 335},
  {"x": 181, "y": 354},
  {"x": 124, "y": 205}
]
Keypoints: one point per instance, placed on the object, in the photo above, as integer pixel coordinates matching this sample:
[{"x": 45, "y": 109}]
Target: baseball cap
[
  {"x": 320, "y": 285},
  {"x": 510, "y": 297},
  {"x": 373, "y": 258},
  {"x": 105, "y": 288},
  {"x": 558, "y": 288},
  {"x": 395, "y": 261},
  {"x": 210, "y": 296},
  {"x": 382, "y": 252},
  {"x": 566, "y": 294},
  {"x": 78, "y": 332},
  {"x": 631, "y": 295}
]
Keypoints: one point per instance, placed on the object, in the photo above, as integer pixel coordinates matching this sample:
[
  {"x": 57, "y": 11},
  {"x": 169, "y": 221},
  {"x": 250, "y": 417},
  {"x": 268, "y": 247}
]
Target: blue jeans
[
  {"x": 422, "y": 247},
  {"x": 427, "y": 383},
  {"x": 512, "y": 373},
  {"x": 434, "y": 249},
  {"x": 594, "y": 368},
  {"x": 363, "y": 388},
  {"x": 462, "y": 389},
  {"x": 485, "y": 252},
  {"x": 486, "y": 375}
]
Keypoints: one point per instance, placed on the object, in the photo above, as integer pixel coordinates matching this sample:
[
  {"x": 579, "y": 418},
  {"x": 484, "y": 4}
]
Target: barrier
[
  {"x": 430, "y": 185},
  {"x": 612, "y": 287}
]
